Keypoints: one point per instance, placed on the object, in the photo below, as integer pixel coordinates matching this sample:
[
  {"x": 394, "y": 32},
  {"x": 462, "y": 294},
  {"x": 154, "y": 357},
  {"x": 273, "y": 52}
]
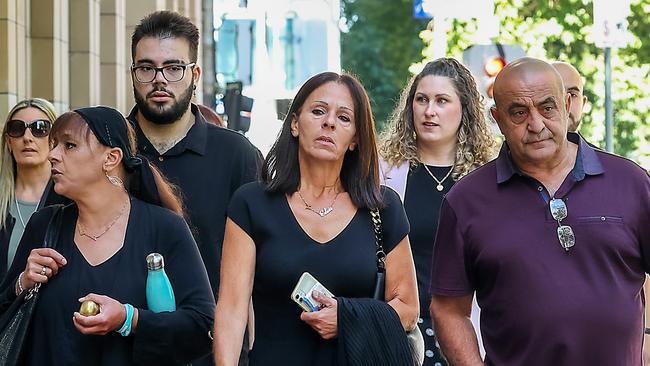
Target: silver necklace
[
  {"x": 439, "y": 187},
  {"x": 20, "y": 216},
  {"x": 323, "y": 211}
]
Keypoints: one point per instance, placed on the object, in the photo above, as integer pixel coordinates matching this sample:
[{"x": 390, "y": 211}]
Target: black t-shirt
[
  {"x": 346, "y": 265},
  {"x": 422, "y": 203},
  {"x": 208, "y": 166}
]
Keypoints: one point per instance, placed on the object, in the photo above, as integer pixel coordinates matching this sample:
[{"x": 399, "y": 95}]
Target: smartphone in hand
[{"x": 302, "y": 293}]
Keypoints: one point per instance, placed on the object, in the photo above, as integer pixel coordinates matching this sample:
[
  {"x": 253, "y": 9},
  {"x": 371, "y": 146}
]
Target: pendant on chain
[
  {"x": 325, "y": 211},
  {"x": 439, "y": 187}
]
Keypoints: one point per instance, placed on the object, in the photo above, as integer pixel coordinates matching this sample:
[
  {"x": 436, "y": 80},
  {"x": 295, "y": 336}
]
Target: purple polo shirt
[{"x": 539, "y": 304}]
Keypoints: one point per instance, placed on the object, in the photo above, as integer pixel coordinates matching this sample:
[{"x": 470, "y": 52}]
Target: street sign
[
  {"x": 457, "y": 9},
  {"x": 610, "y": 23},
  {"x": 418, "y": 10}
]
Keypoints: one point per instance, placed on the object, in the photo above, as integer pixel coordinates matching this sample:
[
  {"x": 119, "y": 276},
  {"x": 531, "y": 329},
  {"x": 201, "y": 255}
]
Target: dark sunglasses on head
[{"x": 39, "y": 127}]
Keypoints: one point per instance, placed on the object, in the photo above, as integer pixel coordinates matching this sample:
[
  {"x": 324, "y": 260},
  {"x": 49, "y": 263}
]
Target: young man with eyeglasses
[
  {"x": 206, "y": 162},
  {"x": 553, "y": 237}
]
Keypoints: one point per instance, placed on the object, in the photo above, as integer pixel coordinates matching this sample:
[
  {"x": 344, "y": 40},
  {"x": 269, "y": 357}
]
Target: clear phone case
[{"x": 302, "y": 293}]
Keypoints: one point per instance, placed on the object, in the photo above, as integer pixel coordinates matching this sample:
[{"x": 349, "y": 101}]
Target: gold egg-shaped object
[{"x": 89, "y": 308}]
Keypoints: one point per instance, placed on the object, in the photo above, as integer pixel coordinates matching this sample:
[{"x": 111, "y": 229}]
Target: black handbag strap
[
  {"x": 49, "y": 241},
  {"x": 380, "y": 281},
  {"x": 53, "y": 227},
  {"x": 379, "y": 240}
]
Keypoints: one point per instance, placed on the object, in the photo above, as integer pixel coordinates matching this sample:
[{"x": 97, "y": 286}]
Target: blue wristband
[{"x": 125, "y": 330}]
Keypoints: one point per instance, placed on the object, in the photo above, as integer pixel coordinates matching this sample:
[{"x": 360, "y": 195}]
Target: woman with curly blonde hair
[{"x": 438, "y": 133}]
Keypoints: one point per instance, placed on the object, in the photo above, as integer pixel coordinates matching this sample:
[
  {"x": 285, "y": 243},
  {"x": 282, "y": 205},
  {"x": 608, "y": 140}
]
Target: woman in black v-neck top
[
  {"x": 345, "y": 265},
  {"x": 311, "y": 213},
  {"x": 438, "y": 135}
]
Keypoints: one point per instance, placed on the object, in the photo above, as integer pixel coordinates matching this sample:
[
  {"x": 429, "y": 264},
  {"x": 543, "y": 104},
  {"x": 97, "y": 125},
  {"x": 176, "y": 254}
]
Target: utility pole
[
  {"x": 609, "y": 111},
  {"x": 610, "y": 31}
]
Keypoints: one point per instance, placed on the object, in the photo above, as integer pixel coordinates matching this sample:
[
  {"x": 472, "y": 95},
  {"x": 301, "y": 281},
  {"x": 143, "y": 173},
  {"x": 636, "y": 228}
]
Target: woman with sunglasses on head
[
  {"x": 24, "y": 171},
  {"x": 438, "y": 134}
]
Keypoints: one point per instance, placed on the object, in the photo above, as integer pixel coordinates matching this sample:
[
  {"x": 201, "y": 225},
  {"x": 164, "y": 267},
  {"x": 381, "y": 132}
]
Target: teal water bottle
[{"x": 160, "y": 294}]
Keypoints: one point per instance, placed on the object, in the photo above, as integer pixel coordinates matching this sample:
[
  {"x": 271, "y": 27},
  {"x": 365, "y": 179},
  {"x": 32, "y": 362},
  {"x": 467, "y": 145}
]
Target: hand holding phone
[{"x": 302, "y": 293}]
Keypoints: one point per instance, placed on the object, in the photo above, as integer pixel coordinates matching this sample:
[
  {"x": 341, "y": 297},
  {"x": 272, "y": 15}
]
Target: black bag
[
  {"x": 414, "y": 336},
  {"x": 14, "y": 323}
]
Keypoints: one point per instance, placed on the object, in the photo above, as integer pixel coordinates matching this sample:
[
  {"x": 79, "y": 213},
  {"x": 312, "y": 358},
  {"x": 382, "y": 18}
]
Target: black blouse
[
  {"x": 346, "y": 265},
  {"x": 169, "y": 338},
  {"x": 422, "y": 203}
]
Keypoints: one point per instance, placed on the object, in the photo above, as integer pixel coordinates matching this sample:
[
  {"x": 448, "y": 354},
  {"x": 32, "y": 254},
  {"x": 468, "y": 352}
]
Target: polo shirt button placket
[{"x": 161, "y": 158}]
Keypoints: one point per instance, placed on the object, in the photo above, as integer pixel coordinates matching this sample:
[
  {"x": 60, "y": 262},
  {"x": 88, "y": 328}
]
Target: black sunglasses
[{"x": 39, "y": 127}]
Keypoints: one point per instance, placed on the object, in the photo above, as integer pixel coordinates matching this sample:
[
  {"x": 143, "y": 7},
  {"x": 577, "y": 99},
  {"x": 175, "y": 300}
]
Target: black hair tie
[{"x": 132, "y": 163}]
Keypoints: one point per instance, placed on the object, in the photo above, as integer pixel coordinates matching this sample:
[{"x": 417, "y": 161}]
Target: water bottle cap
[{"x": 155, "y": 261}]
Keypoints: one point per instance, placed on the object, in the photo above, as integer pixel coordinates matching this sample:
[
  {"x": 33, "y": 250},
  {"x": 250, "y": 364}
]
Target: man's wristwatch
[{"x": 646, "y": 331}]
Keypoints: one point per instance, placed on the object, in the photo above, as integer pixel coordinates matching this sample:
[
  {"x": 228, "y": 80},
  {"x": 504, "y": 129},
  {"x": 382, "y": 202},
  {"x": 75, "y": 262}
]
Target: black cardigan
[{"x": 370, "y": 333}]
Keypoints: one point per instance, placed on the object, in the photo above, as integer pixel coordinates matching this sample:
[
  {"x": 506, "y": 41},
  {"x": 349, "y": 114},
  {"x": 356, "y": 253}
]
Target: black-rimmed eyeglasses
[
  {"x": 564, "y": 232},
  {"x": 171, "y": 73},
  {"x": 39, "y": 127}
]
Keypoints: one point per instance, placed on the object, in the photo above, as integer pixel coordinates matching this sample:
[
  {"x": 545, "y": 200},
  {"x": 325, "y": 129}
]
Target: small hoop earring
[{"x": 114, "y": 180}]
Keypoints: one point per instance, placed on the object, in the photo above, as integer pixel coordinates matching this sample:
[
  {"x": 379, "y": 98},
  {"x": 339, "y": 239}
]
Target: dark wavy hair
[
  {"x": 167, "y": 24},
  {"x": 475, "y": 142},
  {"x": 360, "y": 170}
]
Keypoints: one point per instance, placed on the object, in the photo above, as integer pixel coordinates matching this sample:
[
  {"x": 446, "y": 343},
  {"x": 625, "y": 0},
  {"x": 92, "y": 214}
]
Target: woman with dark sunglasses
[{"x": 24, "y": 170}]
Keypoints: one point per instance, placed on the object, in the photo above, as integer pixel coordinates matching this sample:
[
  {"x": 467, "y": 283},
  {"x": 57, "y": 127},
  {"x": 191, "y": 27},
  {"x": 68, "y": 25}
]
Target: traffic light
[
  {"x": 486, "y": 61},
  {"x": 237, "y": 107}
]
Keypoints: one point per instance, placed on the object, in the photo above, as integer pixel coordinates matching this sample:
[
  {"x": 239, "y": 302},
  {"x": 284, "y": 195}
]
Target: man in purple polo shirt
[{"x": 553, "y": 236}]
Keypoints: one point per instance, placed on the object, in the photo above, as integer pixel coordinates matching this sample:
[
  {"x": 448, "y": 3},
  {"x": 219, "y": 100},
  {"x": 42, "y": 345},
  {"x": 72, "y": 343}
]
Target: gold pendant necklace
[
  {"x": 323, "y": 211},
  {"x": 84, "y": 232},
  {"x": 439, "y": 187}
]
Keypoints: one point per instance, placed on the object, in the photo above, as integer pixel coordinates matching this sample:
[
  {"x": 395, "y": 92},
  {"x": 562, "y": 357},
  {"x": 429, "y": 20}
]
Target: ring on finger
[{"x": 43, "y": 271}]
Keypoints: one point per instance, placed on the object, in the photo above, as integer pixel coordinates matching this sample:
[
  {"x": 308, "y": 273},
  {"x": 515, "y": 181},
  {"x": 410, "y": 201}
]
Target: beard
[
  {"x": 158, "y": 114},
  {"x": 573, "y": 124}
]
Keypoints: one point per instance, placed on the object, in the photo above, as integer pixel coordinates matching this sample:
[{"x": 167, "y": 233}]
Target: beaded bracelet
[
  {"x": 125, "y": 330},
  {"x": 19, "y": 286}
]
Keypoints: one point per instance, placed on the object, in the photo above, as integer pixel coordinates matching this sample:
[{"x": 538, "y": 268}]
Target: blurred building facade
[
  {"x": 77, "y": 52},
  {"x": 269, "y": 49}
]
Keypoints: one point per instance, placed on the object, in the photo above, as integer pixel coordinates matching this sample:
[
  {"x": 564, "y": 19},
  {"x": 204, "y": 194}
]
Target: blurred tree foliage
[
  {"x": 381, "y": 44},
  {"x": 563, "y": 30}
]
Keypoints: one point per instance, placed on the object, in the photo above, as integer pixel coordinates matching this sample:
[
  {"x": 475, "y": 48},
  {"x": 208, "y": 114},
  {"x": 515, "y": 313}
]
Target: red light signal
[
  {"x": 487, "y": 61},
  {"x": 494, "y": 65}
]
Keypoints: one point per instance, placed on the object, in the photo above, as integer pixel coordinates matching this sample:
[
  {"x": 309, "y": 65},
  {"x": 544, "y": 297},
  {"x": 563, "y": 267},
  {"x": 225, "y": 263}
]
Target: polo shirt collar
[
  {"x": 196, "y": 139},
  {"x": 587, "y": 162}
]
